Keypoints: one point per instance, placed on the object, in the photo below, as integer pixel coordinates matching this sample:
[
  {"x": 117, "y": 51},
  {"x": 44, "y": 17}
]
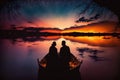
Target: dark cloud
[
  {"x": 83, "y": 19},
  {"x": 111, "y": 4}
]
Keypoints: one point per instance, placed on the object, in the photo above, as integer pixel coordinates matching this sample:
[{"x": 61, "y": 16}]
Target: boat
[{"x": 72, "y": 73}]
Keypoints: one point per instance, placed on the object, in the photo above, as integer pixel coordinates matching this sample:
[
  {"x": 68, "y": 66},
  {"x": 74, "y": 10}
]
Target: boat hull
[{"x": 72, "y": 73}]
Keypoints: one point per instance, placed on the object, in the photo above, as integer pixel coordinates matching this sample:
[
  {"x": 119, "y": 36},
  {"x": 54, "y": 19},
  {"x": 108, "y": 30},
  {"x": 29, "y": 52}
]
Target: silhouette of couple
[
  {"x": 58, "y": 65},
  {"x": 58, "y": 61}
]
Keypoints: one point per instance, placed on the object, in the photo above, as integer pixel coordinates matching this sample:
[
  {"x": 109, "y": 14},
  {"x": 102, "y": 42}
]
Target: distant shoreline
[{"x": 22, "y": 33}]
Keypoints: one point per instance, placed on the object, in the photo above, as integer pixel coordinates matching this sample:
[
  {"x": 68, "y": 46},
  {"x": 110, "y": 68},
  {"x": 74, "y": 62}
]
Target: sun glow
[
  {"x": 95, "y": 28},
  {"x": 60, "y": 22}
]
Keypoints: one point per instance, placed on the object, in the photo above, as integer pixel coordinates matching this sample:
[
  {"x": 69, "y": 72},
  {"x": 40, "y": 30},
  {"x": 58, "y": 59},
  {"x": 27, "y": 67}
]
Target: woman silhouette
[
  {"x": 52, "y": 58},
  {"x": 53, "y": 49}
]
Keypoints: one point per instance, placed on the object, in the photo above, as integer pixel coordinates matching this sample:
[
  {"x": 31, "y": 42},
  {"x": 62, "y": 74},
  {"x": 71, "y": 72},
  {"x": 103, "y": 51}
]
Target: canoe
[{"x": 72, "y": 73}]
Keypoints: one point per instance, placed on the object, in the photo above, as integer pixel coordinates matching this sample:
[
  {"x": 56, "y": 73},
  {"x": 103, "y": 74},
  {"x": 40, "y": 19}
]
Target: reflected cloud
[
  {"x": 35, "y": 38},
  {"x": 50, "y": 37},
  {"x": 96, "y": 58},
  {"x": 95, "y": 40},
  {"x": 102, "y": 41},
  {"x": 93, "y": 54}
]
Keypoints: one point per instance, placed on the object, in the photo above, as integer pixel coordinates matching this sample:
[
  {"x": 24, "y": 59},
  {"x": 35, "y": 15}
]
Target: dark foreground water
[{"x": 100, "y": 56}]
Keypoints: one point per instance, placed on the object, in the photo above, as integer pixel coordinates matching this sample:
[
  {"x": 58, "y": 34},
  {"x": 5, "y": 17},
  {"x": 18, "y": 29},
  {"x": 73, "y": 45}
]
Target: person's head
[
  {"x": 63, "y": 43},
  {"x": 54, "y": 43}
]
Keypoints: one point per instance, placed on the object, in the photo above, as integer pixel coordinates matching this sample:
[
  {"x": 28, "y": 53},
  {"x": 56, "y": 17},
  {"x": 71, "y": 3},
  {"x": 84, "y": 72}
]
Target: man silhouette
[{"x": 65, "y": 56}]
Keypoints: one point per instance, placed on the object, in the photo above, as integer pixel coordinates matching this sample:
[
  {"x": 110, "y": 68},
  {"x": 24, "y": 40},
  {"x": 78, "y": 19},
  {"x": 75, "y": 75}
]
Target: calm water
[{"x": 19, "y": 56}]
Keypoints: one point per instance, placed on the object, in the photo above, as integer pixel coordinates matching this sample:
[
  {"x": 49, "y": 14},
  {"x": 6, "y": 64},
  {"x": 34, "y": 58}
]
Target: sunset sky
[
  {"x": 94, "y": 28},
  {"x": 53, "y": 13}
]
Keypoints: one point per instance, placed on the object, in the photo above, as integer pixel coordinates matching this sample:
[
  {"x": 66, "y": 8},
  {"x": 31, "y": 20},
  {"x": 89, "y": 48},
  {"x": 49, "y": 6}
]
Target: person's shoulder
[
  {"x": 61, "y": 48},
  {"x": 67, "y": 46}
]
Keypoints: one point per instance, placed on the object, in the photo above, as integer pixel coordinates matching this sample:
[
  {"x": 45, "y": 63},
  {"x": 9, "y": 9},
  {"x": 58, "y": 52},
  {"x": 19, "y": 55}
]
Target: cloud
[{"x": 83, "y": 19}]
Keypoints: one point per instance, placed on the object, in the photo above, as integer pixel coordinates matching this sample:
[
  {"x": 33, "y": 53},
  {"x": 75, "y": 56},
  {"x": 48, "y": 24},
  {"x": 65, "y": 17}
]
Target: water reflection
[
  {"x": 99, "y": 56},
  {"x": 93, "y": 53},
  {"x": 103, "y": 41},
  {"x": 96, "y": 58},
  {"x": 96, "y": 41}
]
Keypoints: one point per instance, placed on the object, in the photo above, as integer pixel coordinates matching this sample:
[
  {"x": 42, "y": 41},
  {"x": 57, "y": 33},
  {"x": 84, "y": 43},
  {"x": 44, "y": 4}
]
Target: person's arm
[
  {"x": 68, "y": 50},
  {"x": 49, "y": 50},
  {"x": 56, "y": 51},
  {"x": 60, "y": 52}
]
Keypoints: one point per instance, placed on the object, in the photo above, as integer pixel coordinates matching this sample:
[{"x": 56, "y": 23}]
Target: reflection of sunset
[
  {"x": 29, "y": 27},
  {"x": 96, "y": 41},
  {"x": 93, "y": 40},
  {"x": 50, "y": 37}
]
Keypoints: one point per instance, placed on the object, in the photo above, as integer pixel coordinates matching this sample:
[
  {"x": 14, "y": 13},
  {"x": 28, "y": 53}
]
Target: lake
[{"x": 100, "y": 56}]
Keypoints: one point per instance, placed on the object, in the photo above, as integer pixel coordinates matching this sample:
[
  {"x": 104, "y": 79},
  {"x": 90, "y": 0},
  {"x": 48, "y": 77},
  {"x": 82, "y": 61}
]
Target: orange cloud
[
  {"x": 95, "y": 28},
  {"x": 51, "y": 31}
]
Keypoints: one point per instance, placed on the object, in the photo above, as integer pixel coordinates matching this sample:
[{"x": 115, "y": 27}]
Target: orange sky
[
  {"x": 51, "y": 31},
  {"x": 60, "y": 22},
  {"x": 98, "y": 27},
  {"x": 95, "y": 28}
]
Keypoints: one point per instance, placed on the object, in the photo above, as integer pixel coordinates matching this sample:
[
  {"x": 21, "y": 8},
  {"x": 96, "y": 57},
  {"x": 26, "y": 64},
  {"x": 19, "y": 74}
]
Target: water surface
[{"x": 19, "y": 56}]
